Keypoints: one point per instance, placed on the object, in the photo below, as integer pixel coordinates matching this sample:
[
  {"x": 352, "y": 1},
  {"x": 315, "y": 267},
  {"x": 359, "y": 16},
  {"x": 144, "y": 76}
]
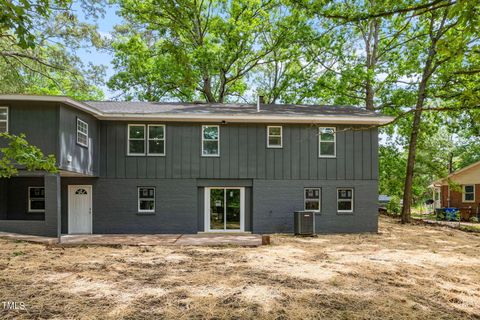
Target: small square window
[
  {"x": 274, "y": 136},
  {"x": 36, "y": 199},
  {"x": 146, "y": 199}
]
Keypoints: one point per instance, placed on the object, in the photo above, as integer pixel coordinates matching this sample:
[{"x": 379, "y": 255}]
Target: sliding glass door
[{"x": 224, "y": 209}]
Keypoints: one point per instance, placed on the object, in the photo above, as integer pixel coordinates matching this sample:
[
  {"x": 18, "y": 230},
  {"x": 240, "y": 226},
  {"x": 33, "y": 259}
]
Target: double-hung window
[
  {"x": 345, "y": 200},
  {"x": 210, "y": 141},
  {"x": 36, "y": 199},
  {"x": 156, "y": 139},
  {"x": 326, "y": 142},
  {"x": 136, "y": 140},
  {"x": 3, "y": 119},
  {"x": 274, "y": 137},
  {"x": 312, "y": 199},
  {"x": 468, "y": 193},
  {"x": 146, "y": 199},
  {"x": 82, "y": 133}
]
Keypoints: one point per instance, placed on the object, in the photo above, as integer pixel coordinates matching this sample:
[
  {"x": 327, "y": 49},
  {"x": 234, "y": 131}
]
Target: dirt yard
[{"x": 416, "y": 271}]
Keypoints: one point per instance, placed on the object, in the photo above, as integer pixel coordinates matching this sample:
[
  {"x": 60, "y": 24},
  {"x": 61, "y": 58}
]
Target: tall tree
[
  {"x": 450, "y": 47},
  {"x": 38, "y": 43},
  {"x": 196, "y": 49}
]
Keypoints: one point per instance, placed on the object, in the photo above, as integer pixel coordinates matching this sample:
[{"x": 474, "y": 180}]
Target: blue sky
[{"x": 100, "y": 57}]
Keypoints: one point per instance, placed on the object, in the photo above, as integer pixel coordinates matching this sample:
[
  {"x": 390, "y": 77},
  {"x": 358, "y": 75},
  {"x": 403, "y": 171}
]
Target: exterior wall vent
[{"x": 260, "y": 101}]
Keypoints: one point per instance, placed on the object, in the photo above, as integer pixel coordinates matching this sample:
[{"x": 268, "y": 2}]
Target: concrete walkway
[
  {"x": 28, "y": 238},
  {"x": 203, "y": 239}
]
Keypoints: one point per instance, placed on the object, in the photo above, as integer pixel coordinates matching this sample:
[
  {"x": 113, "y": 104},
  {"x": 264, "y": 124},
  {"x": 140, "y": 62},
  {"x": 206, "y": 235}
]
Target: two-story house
[{"x": 144, "y": 167}]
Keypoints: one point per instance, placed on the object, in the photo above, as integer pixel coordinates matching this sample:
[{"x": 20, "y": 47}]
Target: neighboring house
[
  {"x": 467, "y": 199},
  {"x": 140, "y": 167}
]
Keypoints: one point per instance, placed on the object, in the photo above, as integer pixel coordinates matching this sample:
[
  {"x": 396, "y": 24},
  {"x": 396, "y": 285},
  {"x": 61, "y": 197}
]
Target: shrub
[
  {"x": 393, "y": 207},
  {"x": 440, "y": 214},
  {"x": 474, "y": 219}
]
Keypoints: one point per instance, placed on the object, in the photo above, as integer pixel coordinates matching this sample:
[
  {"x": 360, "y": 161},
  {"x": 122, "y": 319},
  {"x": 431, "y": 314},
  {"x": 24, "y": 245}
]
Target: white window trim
[
  {"x": 156, "y": 139},
  {"x": 29, "y": 200},
  {"x": 7, "y": 120},
  {"x": 149, "y": 199},
  {"x": 353, "y": 196},
  {"x": 218, "y": 141},
  {"x": 334, "y": 143},
  {"x": 128, "y": 139},
  {"x": 463, "y": 193},
  {"x": 82, "y": 133},
  {"x": 319, "y": 199},
  {"x": 269, "y": 135}
]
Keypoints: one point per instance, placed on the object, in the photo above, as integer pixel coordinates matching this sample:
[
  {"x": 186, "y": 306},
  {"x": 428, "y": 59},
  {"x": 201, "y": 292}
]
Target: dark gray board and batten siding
[
  {"x": 38, "y": 121},
  {"x": 52, "y": 127},
  {"x": 243, "y": 154},
  {"x": 84, "y": 160}
]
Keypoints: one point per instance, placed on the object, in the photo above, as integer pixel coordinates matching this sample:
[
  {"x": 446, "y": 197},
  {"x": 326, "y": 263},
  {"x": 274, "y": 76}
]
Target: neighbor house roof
[
  {"x": 212, "y": 112},
  {"x": 467, "y": 175}
]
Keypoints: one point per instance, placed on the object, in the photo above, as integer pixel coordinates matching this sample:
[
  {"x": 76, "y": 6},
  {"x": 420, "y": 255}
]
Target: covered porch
[{"x": 30, "y": 204}]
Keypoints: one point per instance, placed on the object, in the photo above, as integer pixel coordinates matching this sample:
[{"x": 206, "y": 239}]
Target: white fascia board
[{"x": 249, "y": 118}]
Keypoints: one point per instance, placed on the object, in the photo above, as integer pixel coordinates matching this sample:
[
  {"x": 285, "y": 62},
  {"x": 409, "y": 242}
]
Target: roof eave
[
  {"x": 237, "y": 118},
  {"x": 60, "y": 99},
  {"x": 249, "y": 118}
]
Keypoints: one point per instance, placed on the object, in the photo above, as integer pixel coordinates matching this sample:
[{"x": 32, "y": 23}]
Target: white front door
[
  {"x": 224, "y": 209},
  {"x": 79, "y": 209}
]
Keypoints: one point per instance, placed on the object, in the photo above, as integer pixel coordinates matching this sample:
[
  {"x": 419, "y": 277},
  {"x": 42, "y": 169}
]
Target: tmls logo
[{"x": 12, "y": 305}]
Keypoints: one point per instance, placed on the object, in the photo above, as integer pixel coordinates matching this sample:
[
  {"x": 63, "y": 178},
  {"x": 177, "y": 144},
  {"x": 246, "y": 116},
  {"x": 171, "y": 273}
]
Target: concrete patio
[{"x": 202, "y": 239}]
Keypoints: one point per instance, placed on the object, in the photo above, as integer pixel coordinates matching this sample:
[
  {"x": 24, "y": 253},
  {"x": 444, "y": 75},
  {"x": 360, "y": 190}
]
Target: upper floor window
[
  {"x": 274, "y": 136},
  {"x": 156, "y": 139},
  {"x": 326, "y": 142},
  {"x": 136, "y": 139},
  {"x": 469, "y": 193},
  {"x": 82, "y": 133},
  {"x": 312, "y": 199},
  {"x": 345, "y": 200},
  {"x": 210, "y": 141},
  {"x": 3, "y": 119},
  {"x": 36, "y": 199}
]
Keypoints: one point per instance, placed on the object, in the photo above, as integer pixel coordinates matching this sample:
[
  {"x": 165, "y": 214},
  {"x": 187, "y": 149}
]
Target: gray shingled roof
[
  {"x": 231, "y": 112},
  {"x": 134, "y": 107}
]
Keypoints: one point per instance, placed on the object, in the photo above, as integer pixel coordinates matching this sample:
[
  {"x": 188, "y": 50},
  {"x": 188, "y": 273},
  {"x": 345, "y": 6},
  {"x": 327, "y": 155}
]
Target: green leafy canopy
[{"x": 21, "y": 154}]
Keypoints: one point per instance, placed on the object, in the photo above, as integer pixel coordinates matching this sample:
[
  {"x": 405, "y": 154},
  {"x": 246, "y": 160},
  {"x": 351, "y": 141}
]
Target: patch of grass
[
  {"x": 429, "y": 216},
  {"x": 18, "y": 253},
  {"x": 470, "y": 228}
]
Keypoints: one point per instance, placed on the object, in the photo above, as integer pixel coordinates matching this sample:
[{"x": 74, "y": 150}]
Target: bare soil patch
[{"x": 404, "y": 272}]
